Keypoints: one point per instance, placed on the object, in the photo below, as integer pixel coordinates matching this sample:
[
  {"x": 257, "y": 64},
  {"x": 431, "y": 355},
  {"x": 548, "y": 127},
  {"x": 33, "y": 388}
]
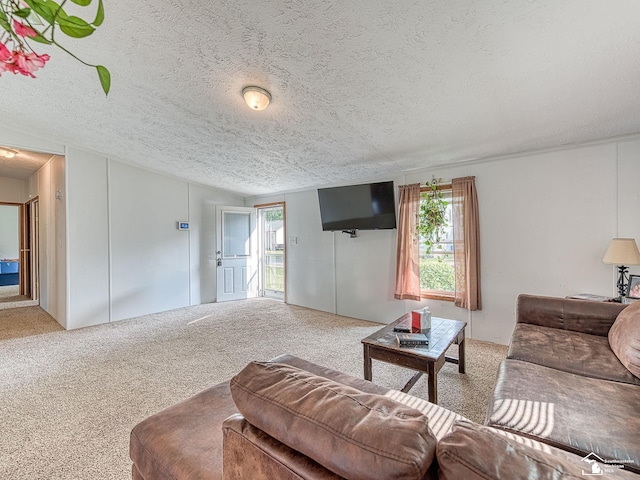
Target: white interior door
[{"x": 237, "y": 253}]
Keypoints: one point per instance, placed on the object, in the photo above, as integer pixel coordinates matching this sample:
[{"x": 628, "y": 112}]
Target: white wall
[
  {"x": 9, "y": 232},
  {"x": 546, "y": 219},
  {"x": 202, "y": 240},
  {"x": 43, "y": 184},
  {"x": 150, "y": 256},
  {"x": 127, "y": 257},
  {"x": 111, "y": 240},
  {"x": 88, "y": 239},
  {"x": 57, "y": 240},
  {"x": 21, "y": 140},
  {"x": 12, "y": 190},
  {"x": 332, "y": 272},
  {"x": 627, "y": 218},
  {"x": 372, "y": 253},
  {"x": 309, "y": 261},
  {"x": 52, "y": 236}
]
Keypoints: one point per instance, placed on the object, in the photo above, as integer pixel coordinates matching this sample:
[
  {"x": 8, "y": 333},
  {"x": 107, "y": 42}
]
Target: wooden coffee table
[{"x": 382, "y": 345}]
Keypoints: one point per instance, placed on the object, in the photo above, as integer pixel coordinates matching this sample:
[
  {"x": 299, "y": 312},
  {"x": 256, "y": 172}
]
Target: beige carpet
[
  {"x": 10, "y": 298},
  {"x": 68, "y": 400},
  {"x": 23, "y": 322}
]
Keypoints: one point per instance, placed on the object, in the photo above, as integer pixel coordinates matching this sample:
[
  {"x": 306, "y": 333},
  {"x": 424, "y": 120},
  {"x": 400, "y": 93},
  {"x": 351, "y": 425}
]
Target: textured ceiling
[
  {"x": 361, "y": 89},
  {"x": 23, "y": 165}
]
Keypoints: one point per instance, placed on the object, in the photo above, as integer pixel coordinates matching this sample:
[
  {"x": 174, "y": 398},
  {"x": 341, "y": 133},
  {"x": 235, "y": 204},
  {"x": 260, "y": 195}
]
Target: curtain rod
[{"x": 437, "y": 183}]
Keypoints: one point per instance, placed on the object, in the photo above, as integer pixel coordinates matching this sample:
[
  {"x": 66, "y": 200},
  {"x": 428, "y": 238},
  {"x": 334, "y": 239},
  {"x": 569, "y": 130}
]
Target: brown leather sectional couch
[
  {"x": 563, "y": 384},
  {"x": 560, "y": 397}
]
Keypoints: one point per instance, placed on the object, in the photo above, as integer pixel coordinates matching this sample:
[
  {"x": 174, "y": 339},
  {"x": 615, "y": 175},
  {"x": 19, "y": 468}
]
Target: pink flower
[
  {"x": 23, "y": 30},
  {"x": 6, "y": 59},
  {"x": 5, "y": 53},
  {"x": 27, "y": 63},
  {"x": 8, "y": 66}
]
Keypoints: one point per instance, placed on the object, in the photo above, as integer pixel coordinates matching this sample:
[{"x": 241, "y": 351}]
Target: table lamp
[{"x": 621, "y": 252}]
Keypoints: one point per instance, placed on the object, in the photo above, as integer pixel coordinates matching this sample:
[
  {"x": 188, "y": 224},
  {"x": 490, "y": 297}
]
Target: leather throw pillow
[
  {"x": 624, "y": 338},
  {"x": 354, "y": 434},
  {"x": 475, "y": 452}
]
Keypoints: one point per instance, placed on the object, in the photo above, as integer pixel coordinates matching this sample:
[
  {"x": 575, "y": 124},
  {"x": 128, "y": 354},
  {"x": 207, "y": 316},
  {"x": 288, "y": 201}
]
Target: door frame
[
  {"x": 29, "y": 248},
  {"x": 24, "y": 242},
  {"x": 261, "y": 261},
  {"x": 28, "y": 271},
  {"x": 243, "y": 270}
]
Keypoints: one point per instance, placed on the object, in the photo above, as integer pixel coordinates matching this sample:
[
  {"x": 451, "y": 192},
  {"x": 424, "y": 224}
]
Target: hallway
[
  {"x": 21, "y": 317},
  {"x": 10, "y": 298}
]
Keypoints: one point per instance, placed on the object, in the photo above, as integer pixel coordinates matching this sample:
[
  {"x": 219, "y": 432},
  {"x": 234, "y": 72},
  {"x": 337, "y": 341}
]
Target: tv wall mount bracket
[{"x": 352, "y": 233}]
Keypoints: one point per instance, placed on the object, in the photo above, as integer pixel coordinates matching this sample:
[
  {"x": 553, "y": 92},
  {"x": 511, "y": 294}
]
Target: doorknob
[{"x": 219, "y": 262}]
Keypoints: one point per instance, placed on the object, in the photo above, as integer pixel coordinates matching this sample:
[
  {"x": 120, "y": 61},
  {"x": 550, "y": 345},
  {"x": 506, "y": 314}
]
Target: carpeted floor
[
  {"x": 68, "y": 400},
  {"x": 23, "y": 322},
  {"x": 10, "y": 298},
  {"x": 9, "y": 291}
]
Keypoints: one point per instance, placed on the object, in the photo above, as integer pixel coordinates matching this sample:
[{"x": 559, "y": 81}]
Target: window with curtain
[
  {"x": 437, "y": 270},
  {"x": 407, "y": 256},
  {"x": 451, "y": 271}
]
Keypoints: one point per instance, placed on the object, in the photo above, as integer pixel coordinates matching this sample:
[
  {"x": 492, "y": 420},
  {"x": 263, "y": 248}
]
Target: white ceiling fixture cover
[{"x": 256, "y": 98}]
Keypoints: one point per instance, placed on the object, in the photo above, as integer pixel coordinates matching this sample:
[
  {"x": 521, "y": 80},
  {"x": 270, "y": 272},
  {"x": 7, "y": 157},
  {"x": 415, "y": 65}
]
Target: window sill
[{"x": 438, "y": 295}]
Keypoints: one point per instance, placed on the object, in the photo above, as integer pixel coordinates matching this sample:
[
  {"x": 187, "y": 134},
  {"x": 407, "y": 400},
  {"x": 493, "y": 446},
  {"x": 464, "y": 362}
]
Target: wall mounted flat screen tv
[{"x": 369, "y": 206}]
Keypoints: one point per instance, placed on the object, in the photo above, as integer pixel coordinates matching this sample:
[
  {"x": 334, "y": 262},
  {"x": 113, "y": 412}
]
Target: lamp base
[{"x": 622, "y": 281}]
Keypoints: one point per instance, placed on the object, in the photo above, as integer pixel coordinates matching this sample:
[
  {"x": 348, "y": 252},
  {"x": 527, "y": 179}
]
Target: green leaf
[
  {"x": 75, "y": 27},
  {"x": 105, "y": 78},
  {"x": 4, "y": 22},
  {"x": 22, "y": 13},
  {"x": 40, "y": 39},
  {"x": 46, "y": 10},
  {"x": 34, "y": 20},
  {"x": 82, "y": 3},
  {"x": 56, "y": 9},
  {"x": 99, "y": 15}
]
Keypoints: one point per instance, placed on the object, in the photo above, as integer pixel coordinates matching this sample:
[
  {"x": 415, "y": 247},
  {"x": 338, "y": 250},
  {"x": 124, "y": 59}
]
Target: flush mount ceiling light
[
  {"x": 7, "y": 152},
  {"x": 257, "y": 98}
]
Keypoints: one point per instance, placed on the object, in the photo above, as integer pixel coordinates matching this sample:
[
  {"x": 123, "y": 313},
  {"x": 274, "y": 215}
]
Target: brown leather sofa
[
  {"x": 563, "y": 384},
  {"x": 185, "y": 441},
  {"x": 292, "y": 419}
]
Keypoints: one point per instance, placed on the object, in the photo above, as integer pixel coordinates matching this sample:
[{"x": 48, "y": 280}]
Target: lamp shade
[
  {"x": 256, "y": 98},
  {"x": 622, "y": 251}
]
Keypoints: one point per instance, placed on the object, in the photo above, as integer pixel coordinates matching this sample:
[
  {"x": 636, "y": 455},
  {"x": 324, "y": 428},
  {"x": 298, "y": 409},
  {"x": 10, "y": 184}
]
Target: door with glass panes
[{"x": 237, "y": 253}]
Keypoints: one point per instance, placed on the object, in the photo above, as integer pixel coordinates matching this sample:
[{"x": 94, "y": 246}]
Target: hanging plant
[
  {"x": 433, "y": 215},
  {"x": 25, "y": 21}
]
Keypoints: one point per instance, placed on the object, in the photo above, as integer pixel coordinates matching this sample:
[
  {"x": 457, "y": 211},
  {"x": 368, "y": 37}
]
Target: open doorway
[
  {"x": 271, "y": 227},
  {"x": 19, "y": 285}
]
